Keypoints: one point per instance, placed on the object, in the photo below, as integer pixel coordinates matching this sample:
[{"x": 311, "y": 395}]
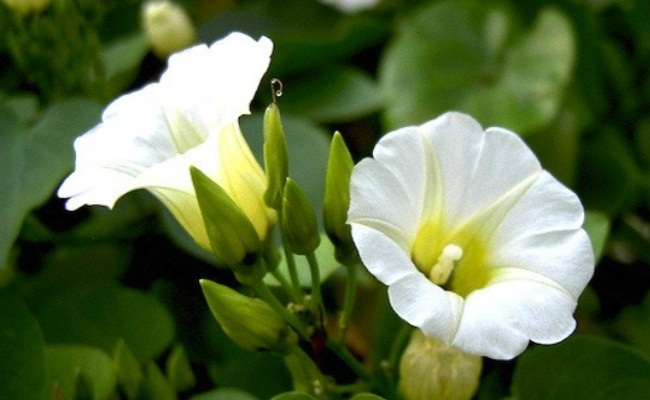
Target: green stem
[
  {"x": 399, "y": 343},
  {"x": 291, "y": 264},
  {"x": 316, "y": 295},
  {"x": 265, "y": 294},
  {"x": 344, "y": 354},
  {"x": 286, "y": 286},
  {"x": 348, "y": 301}
]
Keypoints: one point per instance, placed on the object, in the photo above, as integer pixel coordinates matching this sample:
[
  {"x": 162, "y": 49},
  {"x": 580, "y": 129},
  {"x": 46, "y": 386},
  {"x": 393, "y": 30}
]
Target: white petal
[
  {"x": 542, "y": 233},
  {"x": 383, "y": 257},
  {"x": 477, "y": 167},
  {"x": 151, "y": 136},
  {"x": 426, "y": 306},
  {"x": 498, "y": 321},
  {"x": 209, "y": 88},
  {"x": 374, "y": 192}
]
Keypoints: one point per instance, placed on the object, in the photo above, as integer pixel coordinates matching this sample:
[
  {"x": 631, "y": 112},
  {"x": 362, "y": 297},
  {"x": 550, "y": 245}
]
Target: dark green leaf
[
  {"x": 224, "y": 394},
  {"x": 582, "y": 367},
  {"x": 178, "y": 370},
  {"x": 470, "y": 56},
  {"x": 633, "y": 324},
  {"x": 293, "y": 396},
  {"x": 154, "y": 385},
  {"x": 67, "y": 363},
  {"x": 22, "y": 351},
  {"x": 35, "y": 160},
  {"x": 103, "y": 316},
  {"x": 597, "y": 226},
  {"x": 337, "y": 94}
]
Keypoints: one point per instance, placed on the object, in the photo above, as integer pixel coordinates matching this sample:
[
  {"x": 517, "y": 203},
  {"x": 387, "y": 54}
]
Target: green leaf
[
  {"x": 178, "y": 370},
  {"x": 633, "y": 324},
  {"x": 336, "y": 94},
  {"x": 66, "y": 364},
  {"x": 224, "y": 394},
  {"x": 128, "y": 370},
  {"x": 35, "y": 160},
  {"x": 121, "y": 60},
  {"x": 103, "y": 316},
  {"x": 22, "y": 351},
  {"x": 582, "y": 367},
  {"x": 293, "y": 396},
  {"x": 366, "y": 396},
  {"x": 471, "y": 56},
  {"x": 154, "y": 385},
  {"x": 318, "y": 37},
  {"x": 597, "y": 226}
]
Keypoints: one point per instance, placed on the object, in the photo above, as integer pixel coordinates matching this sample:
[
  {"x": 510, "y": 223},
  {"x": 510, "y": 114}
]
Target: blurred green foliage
[{"x": 107, "y": 303}]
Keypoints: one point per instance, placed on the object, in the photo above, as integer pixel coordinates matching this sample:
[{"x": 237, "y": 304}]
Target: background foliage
[{"x": 107, "y": 303}]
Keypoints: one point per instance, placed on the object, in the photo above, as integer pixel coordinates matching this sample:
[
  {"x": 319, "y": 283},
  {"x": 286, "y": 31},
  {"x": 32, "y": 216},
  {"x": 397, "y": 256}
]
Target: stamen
[{"x": 441, "y": 271}]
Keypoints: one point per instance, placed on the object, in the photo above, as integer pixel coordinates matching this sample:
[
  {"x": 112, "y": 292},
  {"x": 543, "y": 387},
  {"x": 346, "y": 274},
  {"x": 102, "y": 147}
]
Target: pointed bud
[
  {"x": 249, "y": 322},
  {"x": 167, "y": 27},
  {"x": 299, "y": 220},
  {"x": 233, "y": 237},
  {"x": 276, "y": 160},
  {"x": 337, "y": 199},
  {"x": 431, "y": 369}
]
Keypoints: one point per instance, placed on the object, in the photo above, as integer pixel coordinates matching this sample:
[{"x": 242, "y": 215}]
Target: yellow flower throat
[{"x": 456, "y": 262}]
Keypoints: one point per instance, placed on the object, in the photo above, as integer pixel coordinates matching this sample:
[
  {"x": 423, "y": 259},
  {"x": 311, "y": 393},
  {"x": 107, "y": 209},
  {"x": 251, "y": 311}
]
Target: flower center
[{"x": 440, "y": 272}]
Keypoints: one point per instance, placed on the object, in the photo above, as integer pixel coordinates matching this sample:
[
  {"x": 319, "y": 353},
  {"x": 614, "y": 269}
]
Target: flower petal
[
  {"x": 381, "y": 255},
  {"x": 203, "y": 91},
  {"x": 499, "y": 320},
  {"x": 207, "y": 88},
  {"x": 374, "y": 190},
  {"x": 542, "y": 233},
  {"x": 426, "y": 306},
  {"x": 477, "y": 167}
]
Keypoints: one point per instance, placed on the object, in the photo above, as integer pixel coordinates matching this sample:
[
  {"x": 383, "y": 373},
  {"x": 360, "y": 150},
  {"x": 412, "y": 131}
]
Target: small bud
[
  {"x": 26, "y": 7},
  {"x": 233, "y": 238},
  {"x": 337, "y": 199},
  {"x": 276, "y": 160},
  {"x": 299, "y": 220},
  {"x": 431, "y": 369},
  {"x": 167, "y": 27},
  {"x": 249, "y": 322}
]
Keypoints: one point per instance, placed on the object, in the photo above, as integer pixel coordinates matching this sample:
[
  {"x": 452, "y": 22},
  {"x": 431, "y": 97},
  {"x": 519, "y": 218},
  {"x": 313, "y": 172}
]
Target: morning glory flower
[
  {"x": 148, "y": 139},
  {"x": 479, "y": 246}
]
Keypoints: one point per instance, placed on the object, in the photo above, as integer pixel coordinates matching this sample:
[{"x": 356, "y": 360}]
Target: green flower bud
[
  {"x": 167, "y": 27},
  {"x": 276, "y": 160},
  {"x": 337, "y": 199},
  {"x": 299, "y": 220},
  {"x": 249, "y": 322},
  {"x": 233, "y": 238},
  {"x": 431, "y": 369}
]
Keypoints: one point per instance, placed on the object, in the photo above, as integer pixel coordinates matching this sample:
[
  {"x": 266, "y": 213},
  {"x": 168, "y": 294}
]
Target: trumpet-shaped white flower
[
  {"x": 479, "y": 246},
  {"x": 150, "y": 138}
]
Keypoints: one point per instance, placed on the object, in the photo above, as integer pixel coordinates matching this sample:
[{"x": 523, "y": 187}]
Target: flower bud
[
  {"x": 167, "y": 27},
  {"x": 337, "y": 199},
  {"x": 299, "y": 220},
  {"x": 26, "y": 7},
  {"x": 233, "y": 238},
  {"x": 276, "y": 160},
  {"x": 249, "y": 322},
  {"x": 431, "y": 369}
]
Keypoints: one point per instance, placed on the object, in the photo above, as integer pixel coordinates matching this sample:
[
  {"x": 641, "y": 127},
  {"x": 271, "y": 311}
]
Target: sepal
[
  {"x": 299, "y": 220},
  {"x": 233, "y": 238},
  {"x": 249, "y": 322}
]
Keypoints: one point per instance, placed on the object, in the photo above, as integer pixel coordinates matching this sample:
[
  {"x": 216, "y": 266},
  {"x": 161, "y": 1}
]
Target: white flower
[
  {"x": 480, "y": 247},
  {"x": 351, "y": 6},
  {"x": 150, "y": 138}
]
